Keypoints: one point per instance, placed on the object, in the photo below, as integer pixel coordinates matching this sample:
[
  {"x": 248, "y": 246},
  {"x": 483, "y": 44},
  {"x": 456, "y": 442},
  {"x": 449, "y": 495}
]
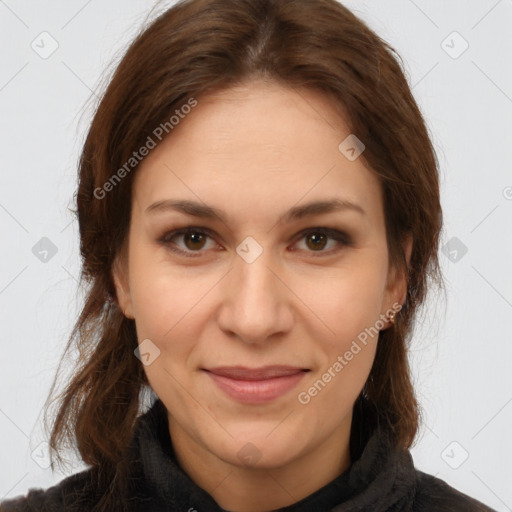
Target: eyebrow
[{"x": 196, "y": 209}]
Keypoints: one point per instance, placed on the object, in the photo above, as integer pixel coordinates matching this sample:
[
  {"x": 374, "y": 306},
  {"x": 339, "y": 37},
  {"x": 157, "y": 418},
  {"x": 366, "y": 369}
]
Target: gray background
[{"x": 462, "y": 348}]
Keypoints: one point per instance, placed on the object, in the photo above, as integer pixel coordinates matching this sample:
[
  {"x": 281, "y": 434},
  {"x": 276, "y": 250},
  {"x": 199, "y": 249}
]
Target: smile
[{"x": 256, "y": 386}]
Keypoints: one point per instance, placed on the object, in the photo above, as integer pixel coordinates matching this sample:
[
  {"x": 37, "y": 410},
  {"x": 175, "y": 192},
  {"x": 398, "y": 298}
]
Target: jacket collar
[{"x": 381, "y": 479}]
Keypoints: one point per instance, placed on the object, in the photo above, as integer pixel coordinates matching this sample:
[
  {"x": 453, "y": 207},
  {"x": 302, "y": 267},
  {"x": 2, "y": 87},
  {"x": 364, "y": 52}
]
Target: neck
[{"x": 247, "y": 489}]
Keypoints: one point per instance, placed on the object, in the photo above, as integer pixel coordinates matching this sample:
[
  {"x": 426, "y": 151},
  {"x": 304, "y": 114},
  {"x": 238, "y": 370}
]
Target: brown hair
[{"x": 196, "y": 47}]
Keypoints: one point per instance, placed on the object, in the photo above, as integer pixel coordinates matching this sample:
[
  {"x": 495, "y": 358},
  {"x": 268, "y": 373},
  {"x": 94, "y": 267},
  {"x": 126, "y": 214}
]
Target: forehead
[{"x": 256, "y": 148}]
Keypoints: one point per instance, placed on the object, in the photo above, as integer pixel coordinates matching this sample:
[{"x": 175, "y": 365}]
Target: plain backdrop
[{"x": 457, "y": 56}]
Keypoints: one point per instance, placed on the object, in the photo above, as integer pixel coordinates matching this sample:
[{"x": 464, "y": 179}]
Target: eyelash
[{"x": 334, "y": 234}]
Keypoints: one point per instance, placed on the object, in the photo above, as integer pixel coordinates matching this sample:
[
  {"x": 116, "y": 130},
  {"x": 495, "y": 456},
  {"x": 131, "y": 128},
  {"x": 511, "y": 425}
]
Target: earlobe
[
  {"x": 397, "y": 286},
  {"x": 122, "y": 287},
  {"x": 407, "y": 246}
]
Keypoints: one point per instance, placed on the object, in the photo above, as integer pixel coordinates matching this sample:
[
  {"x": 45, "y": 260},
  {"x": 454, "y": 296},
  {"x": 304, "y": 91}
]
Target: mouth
[{"x": 256, "y": 385}]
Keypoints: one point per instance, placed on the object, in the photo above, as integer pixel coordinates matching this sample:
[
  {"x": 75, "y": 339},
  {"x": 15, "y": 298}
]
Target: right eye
[{"x": 193, "y": 240}]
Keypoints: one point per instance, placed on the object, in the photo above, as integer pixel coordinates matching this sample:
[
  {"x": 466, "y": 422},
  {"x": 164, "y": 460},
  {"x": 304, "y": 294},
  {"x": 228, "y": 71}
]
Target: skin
[{"x": 255, "y": 151}]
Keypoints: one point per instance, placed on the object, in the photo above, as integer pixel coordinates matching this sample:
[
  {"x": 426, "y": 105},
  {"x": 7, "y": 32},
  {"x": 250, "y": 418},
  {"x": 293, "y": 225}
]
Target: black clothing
[{"x": 382, "y": 479}]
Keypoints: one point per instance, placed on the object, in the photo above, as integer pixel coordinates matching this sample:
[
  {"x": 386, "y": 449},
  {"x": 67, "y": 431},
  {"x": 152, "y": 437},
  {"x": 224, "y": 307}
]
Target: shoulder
[
  {"x": 435, "y": 494},
  {"x": 73, "y": 492}
]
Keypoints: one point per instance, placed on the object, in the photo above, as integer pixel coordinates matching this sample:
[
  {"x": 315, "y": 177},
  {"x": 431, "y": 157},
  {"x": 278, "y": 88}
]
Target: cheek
[
  {"x": 162, "y": 293},
  {"x": 348, "y": 303},
  {"x": 346, "y": 364},
  {"x": 170, "y": 305},
  {"x": 342, "y": 302},
  {"x": 165, "y": 307}
]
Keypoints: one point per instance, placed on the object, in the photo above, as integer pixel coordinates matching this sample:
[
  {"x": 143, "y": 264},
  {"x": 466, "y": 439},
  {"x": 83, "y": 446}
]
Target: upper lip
[{"x": 264, "y": 372}]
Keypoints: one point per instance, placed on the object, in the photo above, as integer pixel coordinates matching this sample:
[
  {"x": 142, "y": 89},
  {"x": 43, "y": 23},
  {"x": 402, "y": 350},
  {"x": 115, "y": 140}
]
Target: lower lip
[{"x": 256, "y": 391}]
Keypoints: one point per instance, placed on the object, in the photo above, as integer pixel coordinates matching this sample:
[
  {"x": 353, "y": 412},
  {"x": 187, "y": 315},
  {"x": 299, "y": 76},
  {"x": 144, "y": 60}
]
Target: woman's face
[{"x": 253, "y": 288}]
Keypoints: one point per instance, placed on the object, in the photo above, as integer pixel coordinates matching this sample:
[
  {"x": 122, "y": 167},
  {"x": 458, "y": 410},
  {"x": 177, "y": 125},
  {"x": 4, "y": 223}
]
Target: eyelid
[
  {"x": 165, "y": 239},
  {"x": 341, "y": 237}
]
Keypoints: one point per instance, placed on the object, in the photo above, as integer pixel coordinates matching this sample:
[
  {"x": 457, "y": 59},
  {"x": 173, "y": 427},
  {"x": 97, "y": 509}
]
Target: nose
[{"x": 256, "y": 304}]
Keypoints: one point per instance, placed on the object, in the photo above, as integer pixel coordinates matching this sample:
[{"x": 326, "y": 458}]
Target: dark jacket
[{"x": 381, "y": 479}]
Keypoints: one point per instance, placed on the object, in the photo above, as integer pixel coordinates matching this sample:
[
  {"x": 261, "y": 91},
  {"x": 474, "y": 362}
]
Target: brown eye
[
  {"x": 194, "y": 240},
  {"x": 188, "y": 241},
  {"x": 316, "y": 241}
]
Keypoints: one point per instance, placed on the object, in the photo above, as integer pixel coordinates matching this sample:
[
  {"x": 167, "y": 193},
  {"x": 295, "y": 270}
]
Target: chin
[{"x": 258, "y": 451}]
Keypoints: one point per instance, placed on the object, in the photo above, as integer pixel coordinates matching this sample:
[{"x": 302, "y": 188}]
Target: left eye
[
  {"x": 317, "y": 239},
  {"x": 194, "y": 240}
]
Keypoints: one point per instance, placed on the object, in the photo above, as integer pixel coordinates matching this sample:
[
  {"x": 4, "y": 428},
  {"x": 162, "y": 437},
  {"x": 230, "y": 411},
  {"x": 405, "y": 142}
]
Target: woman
[{"x": 259, "y": 217}]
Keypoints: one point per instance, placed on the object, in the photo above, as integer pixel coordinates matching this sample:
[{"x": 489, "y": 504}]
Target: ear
[
  {"x": 122, "y": 285},
  {"x": 396, "y": 289}
]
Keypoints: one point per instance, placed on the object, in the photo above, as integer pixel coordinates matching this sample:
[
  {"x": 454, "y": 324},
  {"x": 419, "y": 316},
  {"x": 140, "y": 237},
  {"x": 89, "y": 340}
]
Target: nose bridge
[
  {"x": 254, "y": 280},
  {"x": 255, "y": 305}
]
